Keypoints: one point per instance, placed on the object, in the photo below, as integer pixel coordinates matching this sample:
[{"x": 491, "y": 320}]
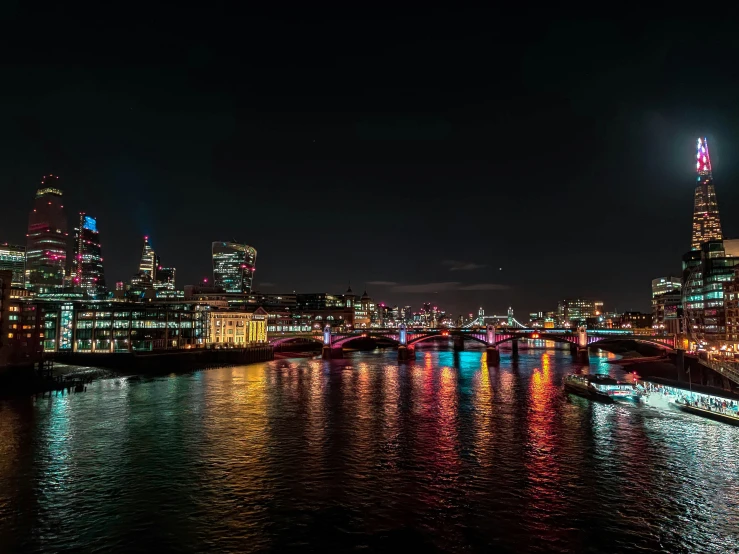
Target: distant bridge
[{"x": 406, "y": 338}]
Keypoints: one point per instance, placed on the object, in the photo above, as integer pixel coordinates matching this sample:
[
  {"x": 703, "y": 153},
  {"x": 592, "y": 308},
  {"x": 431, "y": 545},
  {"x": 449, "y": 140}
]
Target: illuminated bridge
[{"x": 407, "y": 338}]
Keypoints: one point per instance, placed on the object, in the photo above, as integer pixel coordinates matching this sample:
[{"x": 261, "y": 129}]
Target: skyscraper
[
  {"x": 233, "y": 266},
  {"x": 706, "y": 221},
  {"x": 13, "y": 258},
  {"x": 46, "y": 249},
  {"x": 147, "y": 266},
  {"x": 86, "y": 273}
]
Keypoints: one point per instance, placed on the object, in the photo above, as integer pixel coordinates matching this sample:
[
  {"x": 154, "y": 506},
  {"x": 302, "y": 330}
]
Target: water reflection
[{"x": 442, "y": 453}]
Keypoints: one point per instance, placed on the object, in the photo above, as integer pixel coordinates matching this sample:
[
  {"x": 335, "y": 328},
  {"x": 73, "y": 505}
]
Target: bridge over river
[{"x": 407, "y": 338}]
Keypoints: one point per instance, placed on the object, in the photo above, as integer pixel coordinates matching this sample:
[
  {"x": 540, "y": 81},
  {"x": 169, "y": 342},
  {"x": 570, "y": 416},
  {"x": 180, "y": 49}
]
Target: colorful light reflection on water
[{"x": 445, "y": 453}]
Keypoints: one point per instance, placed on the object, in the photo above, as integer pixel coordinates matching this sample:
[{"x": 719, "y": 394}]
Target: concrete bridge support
[
  {"x": 406, "y": 353},
  {"x": 582, "y": 355},
  {"x": 573, "y": 349},
  {"x": 493, "y": 356},
  {"x": 514, "y": 349},
  {"x": 332, "y": 353},
  {"x": 458, "y": 342}
]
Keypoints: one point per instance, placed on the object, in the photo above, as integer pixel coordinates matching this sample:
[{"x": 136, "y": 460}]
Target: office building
[
  {"x": 13, "y": 259},
  {"x": 576, "y": 311},
  {"x": 706, "y": 220},
  {"x": 667, "y": 312},
  {"x": 662, "y": 285},
  {"x": 152, "y": 274},
  {"x": 164, "y": 279},
  {"x": 233, "y": 266},
  {"x": 118, "y": 326},
  {"x": 636, "y": 320},
  {"x": 46, "y": 247},
  {"x": 318, "y": 301},
  {"x": 86, "y": 272},
  {"x": 705, "y": 273},
  {"x": 147, "y": 265},
  {"x": 238, "y": 329}
]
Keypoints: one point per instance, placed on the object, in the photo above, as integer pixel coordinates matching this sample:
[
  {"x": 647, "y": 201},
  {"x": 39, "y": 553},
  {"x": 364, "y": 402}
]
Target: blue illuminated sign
[{"x": 91, "y": 224}]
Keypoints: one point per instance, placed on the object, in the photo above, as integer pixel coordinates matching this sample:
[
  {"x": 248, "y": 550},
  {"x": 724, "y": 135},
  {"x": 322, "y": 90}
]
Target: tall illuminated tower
[
  {"x": 706, "y": 221},
  {"x": 86, "y": 272},
  {"x": 233, "y": 266},
  {"x": 46, "y": 247},
  {"x": 148, "y": 260}
]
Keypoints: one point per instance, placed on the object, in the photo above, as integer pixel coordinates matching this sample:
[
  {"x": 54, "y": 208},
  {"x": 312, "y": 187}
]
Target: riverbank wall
[{"x": 167, "y": 361}]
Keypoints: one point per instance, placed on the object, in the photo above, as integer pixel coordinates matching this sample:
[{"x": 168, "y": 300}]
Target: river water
[{"x": 441, "y": 455}]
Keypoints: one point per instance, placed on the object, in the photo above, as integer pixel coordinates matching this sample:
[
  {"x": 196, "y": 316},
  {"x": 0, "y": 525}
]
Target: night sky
[{"x": 454, "y": 157}]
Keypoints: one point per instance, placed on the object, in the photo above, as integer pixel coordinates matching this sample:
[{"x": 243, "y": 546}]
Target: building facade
[
  {"x": 341, "y": 319},
  {"x": 147, "y": 264},
  {"x": 576, "y": 311},
  {"x": 705, "y": 274},
  {"x": 667, "y": 312},
  {"x": 233, "y": 266},
  {"x": 706, "y": 220},
  {"x": 237, "y": 329},
  {"x": 165, "y": 278},
  {"x": 13, "y": 259},
  {"x": 79, "y": 325},
  {"x": 662, "y": 285},
  {"x": 86, "y": 272},
  {"x": 636, "y": 320},
  {"x": 46, "y": 248}
]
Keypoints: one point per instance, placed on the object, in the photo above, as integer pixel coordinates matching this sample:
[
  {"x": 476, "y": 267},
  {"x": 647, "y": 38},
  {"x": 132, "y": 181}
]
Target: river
[{"x": 443, "y": 454}]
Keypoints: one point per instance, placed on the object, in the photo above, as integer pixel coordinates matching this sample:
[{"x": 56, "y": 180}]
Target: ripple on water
[{"x": 444, "y": 454}]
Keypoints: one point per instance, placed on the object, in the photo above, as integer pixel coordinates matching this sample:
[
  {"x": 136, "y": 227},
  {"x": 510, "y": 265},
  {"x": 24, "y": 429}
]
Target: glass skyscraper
[
  {"x": 46, "y": 248},
  {"x": 706, "y": 221},
  {"x": 233, "y": 266},
  {"x": 147, "y": 266},
  {"x": 86, "y": 272}
]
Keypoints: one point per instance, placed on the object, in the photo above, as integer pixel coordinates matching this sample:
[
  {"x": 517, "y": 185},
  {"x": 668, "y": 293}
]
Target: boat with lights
[{"x": 599, "y": 387}]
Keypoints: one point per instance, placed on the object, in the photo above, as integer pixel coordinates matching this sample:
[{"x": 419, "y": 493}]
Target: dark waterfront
[{"x": 444, "y": 454}]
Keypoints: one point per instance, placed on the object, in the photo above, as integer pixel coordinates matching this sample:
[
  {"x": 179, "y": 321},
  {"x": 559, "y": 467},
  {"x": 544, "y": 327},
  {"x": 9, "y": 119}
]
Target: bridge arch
[
  {"x": 667, "y": 343},
  {"x": 413, "y": 340},
  {"x": 342, "y": 340},
  {"x": 279, "y": 341}
]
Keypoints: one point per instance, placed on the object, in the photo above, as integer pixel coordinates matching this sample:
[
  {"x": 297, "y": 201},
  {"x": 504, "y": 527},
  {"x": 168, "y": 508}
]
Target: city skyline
[
  {"x": 367, "y": 280},
  {"x": 409, "y": 186},
  {"x": 150, "y": 261}
]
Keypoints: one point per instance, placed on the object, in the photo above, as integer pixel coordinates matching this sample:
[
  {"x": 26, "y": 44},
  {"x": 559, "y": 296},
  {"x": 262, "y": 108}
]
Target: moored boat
[{"x": 599, "y": 387}]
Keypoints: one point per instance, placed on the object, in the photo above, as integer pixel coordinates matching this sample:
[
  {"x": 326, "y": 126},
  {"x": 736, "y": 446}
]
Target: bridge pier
[
  {"x": 406, "y": 353},
  {"x": 582, "y": 356},
  {"x": 493, "y": 356},
  {"x": 514, "y": 349},
  {"x": 458, "y": 343},
  {"x": 329, "y": 353},
  {"x": 573, "y": 348}
]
